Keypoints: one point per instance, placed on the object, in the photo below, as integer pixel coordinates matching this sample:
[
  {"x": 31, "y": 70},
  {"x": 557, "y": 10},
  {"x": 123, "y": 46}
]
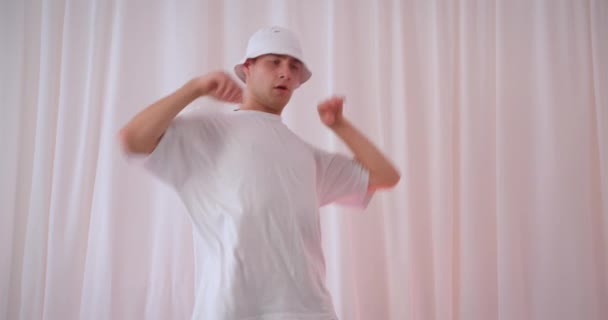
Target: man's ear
[{"x": 246, "y": 67}]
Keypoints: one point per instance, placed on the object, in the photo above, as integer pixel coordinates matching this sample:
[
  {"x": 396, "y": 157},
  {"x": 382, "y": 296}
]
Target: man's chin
[{"x": 279, "y": 104}]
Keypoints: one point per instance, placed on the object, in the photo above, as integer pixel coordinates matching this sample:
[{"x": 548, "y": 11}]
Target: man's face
[{"x": 271, "y": 79}]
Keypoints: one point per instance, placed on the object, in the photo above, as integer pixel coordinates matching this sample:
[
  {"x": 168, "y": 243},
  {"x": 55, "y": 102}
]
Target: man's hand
[
  {"x": 220, "y": 86},
  {"x": 330, "y": 110}
]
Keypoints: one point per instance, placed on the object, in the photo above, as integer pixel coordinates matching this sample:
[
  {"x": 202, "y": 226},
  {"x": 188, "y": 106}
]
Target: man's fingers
[
  {"x": 328, "y": 106},
  {"x": 232, "y": 92},
  {"x": 225, "y": 88},
  {"x": 324, "y": 106},
  {"x": 235, "y": 96},
  {"x": 235, "y": 93},
  {"x": 221, "y": 87}
]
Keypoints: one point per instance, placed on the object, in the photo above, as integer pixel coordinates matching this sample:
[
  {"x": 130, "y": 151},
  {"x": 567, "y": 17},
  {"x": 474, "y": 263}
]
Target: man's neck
[{"x": 252, "y": 105}]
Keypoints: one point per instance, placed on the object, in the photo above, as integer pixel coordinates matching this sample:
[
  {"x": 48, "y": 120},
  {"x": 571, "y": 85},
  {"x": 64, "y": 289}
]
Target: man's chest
[{"x": 264, "y": 167}]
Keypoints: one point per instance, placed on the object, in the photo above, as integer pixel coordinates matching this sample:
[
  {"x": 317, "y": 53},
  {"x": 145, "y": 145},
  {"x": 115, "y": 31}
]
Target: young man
[{"x": 252, "y": 188}]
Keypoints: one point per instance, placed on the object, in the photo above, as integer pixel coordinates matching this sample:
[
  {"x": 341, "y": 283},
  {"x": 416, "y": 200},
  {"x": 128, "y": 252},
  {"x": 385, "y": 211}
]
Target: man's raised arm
[{"x": 142, "y": 133}]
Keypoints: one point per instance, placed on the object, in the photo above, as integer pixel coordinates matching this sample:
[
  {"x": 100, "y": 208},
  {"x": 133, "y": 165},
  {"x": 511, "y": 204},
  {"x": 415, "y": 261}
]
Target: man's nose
[{"x": 285, "y": 72}]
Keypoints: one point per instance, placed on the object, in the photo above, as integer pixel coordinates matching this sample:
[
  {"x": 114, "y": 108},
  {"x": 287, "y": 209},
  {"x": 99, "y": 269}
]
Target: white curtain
[{"x": 495, "y": 111}]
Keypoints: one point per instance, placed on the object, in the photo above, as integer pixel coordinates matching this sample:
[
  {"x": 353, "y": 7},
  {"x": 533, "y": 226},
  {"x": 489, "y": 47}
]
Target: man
[{"x": 252, "y": 187}]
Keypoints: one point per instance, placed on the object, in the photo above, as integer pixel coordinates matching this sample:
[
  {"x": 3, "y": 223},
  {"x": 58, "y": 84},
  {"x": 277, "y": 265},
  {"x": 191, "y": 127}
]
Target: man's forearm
[
  {"x": 382, "y": 173},
  {"x": 142, "y": 133}
]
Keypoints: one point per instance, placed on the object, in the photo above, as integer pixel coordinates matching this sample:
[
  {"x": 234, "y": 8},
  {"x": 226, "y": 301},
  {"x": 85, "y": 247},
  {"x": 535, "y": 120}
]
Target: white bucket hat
[{"x": 275, "y": 40}]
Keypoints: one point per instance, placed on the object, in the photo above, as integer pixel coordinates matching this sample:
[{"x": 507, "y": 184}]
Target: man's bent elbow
[
  {"x": 124, "y": 141},
  {"x": 385, "y": 181},
  {"x": 129, "y": 144},
  {"x": 393, "y": 179}
]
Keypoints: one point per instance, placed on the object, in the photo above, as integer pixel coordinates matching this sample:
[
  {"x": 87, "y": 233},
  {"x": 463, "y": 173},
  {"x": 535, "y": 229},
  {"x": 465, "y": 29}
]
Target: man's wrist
[
  {"x": 339, "y": 124},
  {"x": 199, "y": 86}
]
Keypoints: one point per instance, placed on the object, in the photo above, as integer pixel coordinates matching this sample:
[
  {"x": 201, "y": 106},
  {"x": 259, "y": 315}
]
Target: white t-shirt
[{"x": 253, "y": 191}]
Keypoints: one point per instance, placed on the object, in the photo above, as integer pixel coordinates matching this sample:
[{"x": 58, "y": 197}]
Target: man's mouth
[{"x": 281, "y": 87}]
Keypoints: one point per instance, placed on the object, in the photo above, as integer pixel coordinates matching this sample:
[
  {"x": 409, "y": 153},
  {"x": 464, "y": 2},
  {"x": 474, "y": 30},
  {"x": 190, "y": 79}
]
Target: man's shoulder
[
  {"x": 200, "y": 120},
  {"x": 199, "y": 125},
  {"x": 200, "y": 116}
]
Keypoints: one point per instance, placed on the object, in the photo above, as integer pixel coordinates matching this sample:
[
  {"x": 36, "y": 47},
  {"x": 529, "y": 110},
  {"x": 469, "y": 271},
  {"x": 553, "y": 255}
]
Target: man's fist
[
  {"x": 330, "y": 110},
  {"x": 220, "y": 86}
]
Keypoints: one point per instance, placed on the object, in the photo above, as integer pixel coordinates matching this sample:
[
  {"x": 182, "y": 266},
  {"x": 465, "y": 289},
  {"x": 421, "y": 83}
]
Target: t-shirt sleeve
[
  {"x": 342, "y": 180},
  {"x": 188, "y": 144}
]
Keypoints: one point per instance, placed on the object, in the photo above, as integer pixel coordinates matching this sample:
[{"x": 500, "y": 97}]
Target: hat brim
[{"x": 238, "y": 68}]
